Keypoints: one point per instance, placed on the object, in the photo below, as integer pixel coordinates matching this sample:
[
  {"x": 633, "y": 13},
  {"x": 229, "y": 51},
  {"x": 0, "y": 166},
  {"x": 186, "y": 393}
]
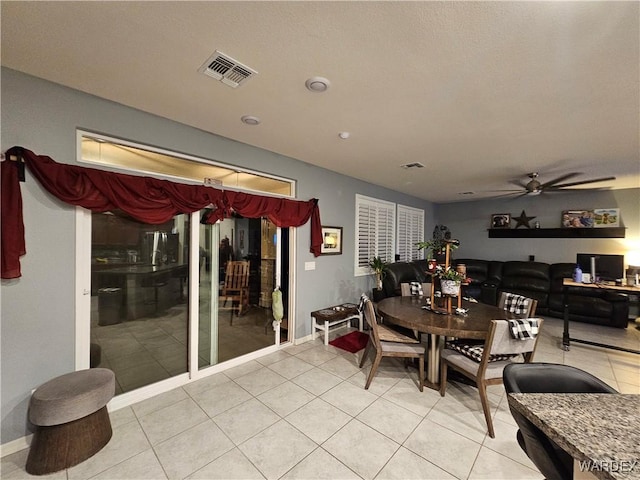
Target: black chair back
[{"x": 552, "y": 461}]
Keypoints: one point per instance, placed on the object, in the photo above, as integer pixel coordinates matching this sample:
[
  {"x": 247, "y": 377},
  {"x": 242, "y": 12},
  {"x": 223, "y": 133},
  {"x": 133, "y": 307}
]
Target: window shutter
[
  {"x": 375, "y": 221},
  {"x": 410, "y": 232}
]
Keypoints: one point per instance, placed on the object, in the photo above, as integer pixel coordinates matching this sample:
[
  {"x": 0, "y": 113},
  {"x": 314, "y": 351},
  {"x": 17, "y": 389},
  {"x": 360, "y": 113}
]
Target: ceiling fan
[{"x": 535, "y": 187}]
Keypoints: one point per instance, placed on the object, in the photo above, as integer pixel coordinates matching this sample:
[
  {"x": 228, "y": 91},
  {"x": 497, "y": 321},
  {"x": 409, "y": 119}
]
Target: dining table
[{"x": 412, "y": 312}]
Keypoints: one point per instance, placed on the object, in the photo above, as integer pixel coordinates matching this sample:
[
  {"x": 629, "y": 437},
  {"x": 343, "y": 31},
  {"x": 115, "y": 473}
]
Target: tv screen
[{"x": 608, "y": 267}]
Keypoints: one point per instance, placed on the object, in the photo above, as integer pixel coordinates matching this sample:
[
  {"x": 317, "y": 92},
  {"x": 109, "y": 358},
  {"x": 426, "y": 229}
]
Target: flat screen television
[{"x": 608, "y": 267}]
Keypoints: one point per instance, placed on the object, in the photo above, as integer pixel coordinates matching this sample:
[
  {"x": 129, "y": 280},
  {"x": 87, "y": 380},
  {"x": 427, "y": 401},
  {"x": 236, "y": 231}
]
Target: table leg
[
  {"x": 314, "y": 327},
  {"x": 433, "y": 363},
  {"x": 326, "y": 332},
  {"x": 566, "y": 339},
  {"x": 360, "y": 322}
]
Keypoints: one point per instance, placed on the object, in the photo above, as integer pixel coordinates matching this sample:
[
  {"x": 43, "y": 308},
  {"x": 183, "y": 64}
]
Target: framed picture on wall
[
  {"x": 606, "y": 217},
  {"x": 331, "y": 241},
  {"x": 501, "y": 220}
]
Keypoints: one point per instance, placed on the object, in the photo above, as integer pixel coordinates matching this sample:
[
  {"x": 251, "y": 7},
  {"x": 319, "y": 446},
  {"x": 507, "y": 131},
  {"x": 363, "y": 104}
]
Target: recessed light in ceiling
[
  {"x": 344, "y": 135},
  {"x": 250, "y": 120},
  {"x": 317, "y": 84}
]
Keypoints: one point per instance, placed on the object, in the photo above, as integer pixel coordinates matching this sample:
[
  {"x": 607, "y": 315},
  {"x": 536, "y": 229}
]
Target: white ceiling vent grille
[
  {"x": 412, "y": 165},
  {"x": 226, "y": 69}
]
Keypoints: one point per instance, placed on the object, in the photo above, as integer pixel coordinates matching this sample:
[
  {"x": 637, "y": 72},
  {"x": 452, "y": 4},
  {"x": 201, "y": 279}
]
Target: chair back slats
[
  {"x": 370, "y": 317},
  {"x": 237, "y": 275}
]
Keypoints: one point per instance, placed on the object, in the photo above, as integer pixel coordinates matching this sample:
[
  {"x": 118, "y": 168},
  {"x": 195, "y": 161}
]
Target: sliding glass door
[
  {"x": 238, "y": 273},
  {"x": 139, "y": 291}
]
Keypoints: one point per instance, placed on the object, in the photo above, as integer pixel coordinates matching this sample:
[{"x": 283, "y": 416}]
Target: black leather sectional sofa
[{"x": 542, "y": 281}]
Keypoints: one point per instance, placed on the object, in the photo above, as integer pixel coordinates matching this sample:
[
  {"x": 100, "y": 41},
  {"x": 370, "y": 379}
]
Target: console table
[
  {"x": 328, "y": 317},
  {"x": 566, "y": 338}
]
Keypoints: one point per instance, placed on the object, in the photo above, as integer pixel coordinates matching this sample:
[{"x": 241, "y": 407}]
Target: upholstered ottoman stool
[{"x": 71, "y": 419}]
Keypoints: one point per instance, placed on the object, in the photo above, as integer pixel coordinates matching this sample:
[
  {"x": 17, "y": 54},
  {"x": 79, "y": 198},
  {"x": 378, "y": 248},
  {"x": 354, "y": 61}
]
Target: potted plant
[
  {"x": 450, "y": 279},
  {"x": 436, "y": 248},
  {"x": 379, "y": 268}
]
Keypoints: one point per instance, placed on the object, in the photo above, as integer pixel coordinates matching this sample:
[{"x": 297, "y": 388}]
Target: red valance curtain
[{"x": 146, "y": 199}]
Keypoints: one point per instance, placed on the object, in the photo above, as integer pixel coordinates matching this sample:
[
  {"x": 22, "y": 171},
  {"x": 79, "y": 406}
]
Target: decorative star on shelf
[{"x": 523, "y": 220}]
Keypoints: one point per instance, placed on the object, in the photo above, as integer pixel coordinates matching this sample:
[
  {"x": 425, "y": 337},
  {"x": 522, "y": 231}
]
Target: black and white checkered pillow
[
  {"x": 416, "y": 289},
  {"x": 474, "y": 351},
  {"x": 516, "y": 303},
  {"x": 363, "y": 299},
  {"x": 524, "y": 329}
]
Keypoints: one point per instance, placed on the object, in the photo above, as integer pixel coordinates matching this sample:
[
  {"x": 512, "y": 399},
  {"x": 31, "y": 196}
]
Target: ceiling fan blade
[
  {"x": 583, "y": 182},
  {"x": 556, "y": 180},
  {"x": 507, "y": 190}
]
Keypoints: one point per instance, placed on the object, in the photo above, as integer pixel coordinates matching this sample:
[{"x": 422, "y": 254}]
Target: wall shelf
[{"x": 618, "y": 232}]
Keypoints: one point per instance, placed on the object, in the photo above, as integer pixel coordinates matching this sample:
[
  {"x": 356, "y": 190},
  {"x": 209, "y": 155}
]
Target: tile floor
[{"x": 302, "y": 413}]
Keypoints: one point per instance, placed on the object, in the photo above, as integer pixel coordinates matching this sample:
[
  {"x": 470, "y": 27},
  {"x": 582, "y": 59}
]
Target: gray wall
[
  {"x": 38, "y": 316},
  {"x": 469, "y": 222}
]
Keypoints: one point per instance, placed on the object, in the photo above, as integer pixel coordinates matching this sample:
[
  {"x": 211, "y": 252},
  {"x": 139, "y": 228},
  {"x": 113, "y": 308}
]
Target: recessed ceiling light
[
  {"x": 344, "y": 135},
  {"x": 318, "y": 84},
  {"x": 250, "y": 120}
]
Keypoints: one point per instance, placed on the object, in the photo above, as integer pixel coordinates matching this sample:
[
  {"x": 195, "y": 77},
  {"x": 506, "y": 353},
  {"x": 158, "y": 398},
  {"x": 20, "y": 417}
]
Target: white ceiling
[{"x": 481, "y": 93}]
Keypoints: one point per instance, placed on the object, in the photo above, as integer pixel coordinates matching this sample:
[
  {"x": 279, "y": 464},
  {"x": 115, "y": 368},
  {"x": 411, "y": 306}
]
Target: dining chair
[
  {"x": 519, "y": 304},
  {"x": 415, "y": 289},
  {"x": 484, "y": 363},
  {"x": 552, "y": 461},
  {"x": 236, "y": 287},
  {"x": 389, "y": 343}
]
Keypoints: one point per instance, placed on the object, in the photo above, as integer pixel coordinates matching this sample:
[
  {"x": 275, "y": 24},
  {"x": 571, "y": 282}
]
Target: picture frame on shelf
[
  {"x": 606, "y": 217},
  {"x": 501, "y": 220},
  {"x": 578, "y": 219},
  {"x": 331, "y": 241}
]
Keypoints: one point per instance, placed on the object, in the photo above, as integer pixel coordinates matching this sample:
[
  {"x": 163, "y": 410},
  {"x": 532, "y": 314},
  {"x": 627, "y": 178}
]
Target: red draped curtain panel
[{"x": 146, "y": 199}]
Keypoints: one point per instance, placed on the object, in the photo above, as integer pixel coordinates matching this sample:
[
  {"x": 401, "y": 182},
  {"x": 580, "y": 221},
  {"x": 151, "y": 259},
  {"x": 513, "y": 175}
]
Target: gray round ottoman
[{"x": 71, "y": 419}]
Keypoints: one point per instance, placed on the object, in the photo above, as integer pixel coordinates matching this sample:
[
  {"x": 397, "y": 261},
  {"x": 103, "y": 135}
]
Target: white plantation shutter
[
  {"x": 410, "y": 232},
  {"x": 375, "y": 227}
]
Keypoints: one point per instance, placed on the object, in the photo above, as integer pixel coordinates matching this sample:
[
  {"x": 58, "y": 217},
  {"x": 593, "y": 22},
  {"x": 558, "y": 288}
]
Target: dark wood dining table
[{"x": 408, "y": 312}]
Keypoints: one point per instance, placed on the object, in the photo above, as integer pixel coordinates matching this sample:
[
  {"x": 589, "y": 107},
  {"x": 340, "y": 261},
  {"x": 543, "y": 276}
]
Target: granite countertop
[{"x": 598, "y": 427}]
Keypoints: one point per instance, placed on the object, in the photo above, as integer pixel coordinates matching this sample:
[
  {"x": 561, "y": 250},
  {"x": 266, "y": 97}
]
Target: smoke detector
[
  {"x": 317, "y": 84},
  {"x": 226, "y": 69}
]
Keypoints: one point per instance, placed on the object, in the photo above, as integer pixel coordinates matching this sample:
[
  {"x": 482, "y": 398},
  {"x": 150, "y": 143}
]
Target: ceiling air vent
[
  {"x": 226, "y": 69},
  {"x": 412, "y": 165}
]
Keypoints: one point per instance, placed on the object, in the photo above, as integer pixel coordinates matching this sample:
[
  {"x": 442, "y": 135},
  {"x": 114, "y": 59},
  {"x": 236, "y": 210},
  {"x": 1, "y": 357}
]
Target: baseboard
[
  {"x": 15, "y": 445},
  {"x": 298, "y": 341}
]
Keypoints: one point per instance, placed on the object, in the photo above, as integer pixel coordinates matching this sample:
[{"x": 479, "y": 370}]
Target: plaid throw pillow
[
  {"x": 524, "y": 329},
  {"x": 516, "y": 303},
  {"x": 416, "y": 289},
  {"x": 474, "y": 351}
]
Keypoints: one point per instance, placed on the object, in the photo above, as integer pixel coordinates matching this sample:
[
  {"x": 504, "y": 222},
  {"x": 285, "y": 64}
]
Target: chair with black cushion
[
  {"x": 518, "y": 304},
  {"x": 552, "y": 461},
  {"x": 484, "y": 363},
  {"x": 389, "y": 343}
]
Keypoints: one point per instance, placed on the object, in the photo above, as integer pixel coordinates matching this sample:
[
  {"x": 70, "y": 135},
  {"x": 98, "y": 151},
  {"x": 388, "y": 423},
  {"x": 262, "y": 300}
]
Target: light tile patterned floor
[{"x": 302, "y": 413}]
